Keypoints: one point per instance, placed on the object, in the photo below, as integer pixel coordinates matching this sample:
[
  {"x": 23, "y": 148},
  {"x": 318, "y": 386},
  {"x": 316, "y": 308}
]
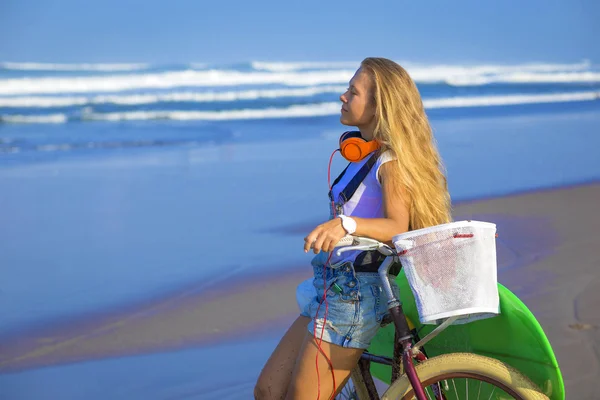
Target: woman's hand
[{"x": 325, "y": 236}]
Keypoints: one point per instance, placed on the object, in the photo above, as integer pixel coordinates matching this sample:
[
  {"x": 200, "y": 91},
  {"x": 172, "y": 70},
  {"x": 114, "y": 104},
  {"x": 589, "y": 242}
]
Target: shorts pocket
[
  {"x": 348, "y": 288},
  {"x": 320, "y": 286}
]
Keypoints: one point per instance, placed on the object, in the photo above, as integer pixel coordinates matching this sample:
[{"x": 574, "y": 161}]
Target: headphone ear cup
[{"x": 352, "y": 149}]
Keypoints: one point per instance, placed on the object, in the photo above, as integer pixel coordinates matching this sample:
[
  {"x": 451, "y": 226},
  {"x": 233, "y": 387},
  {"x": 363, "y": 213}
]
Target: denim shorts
[{"x": 355, "y": 307}]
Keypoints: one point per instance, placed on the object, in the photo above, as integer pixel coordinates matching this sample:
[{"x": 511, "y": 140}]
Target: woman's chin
[{"x": 345, "y": 121}]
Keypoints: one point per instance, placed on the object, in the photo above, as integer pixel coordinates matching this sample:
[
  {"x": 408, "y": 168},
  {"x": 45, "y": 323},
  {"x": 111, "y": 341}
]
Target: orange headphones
[{"x": 354, "y": 148}]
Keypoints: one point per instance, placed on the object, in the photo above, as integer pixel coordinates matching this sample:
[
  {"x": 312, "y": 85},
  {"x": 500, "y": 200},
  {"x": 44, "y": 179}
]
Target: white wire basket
[{"x": 452, "y": 270}]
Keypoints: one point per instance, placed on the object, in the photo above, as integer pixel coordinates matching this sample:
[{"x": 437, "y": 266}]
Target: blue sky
[{"x": 228, "y": 31}]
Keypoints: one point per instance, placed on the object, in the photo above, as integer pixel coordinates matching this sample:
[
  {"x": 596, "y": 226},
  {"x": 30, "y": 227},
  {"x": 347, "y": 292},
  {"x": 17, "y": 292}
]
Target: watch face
[{"x": 349, "y": 225}]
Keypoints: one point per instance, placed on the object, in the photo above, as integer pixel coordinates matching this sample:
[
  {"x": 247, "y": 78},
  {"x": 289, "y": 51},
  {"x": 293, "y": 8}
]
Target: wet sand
[{"x": 547, "y": 251}]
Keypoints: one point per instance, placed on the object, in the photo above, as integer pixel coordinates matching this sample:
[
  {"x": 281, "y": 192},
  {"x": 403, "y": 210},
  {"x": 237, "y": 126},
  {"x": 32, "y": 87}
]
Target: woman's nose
[{"x": 343, "y": 97}]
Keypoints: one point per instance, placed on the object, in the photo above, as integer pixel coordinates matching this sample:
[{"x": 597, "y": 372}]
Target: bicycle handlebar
[{"x": 349, "y": 242}]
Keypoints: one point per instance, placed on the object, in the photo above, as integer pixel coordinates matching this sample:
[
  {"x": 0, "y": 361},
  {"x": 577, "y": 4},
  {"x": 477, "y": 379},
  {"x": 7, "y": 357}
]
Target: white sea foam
[
  {"x": 289, "y": 76},
  {"x": 444, "y": 71},
  {"x": 308, "y": 110},
  {"x": 34, "y": 119},
  {"x": 167, "y": 80},
  {"x": 31, "y": 66},
  {"x": 199, "y": 97},
  {"x": 138, "y": 99},
  {"x": 430, "y": 71},
  {"x": 526, "y": 77},
  {"x": 454, "y": 74},
  {"x": 486, "y": 101},
  {"x": 42, "y": 102},
  {"x": 290, "y": 66},
  {"x": 332, "y": 108},
  {"x": 489, "y": 73}
]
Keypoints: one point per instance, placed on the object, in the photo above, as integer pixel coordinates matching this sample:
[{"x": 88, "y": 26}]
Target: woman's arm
[
  {"x": 396, "y": 217},
  {"x": 395, "y": 211}
]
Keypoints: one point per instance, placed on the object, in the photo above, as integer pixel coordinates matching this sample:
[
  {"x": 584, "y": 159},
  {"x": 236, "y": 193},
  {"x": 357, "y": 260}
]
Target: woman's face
[{"x": 357, "y": 103}]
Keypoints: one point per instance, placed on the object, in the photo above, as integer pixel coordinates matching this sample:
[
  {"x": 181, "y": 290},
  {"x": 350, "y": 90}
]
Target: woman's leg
[
  {"x": 275, "y": 377},
  {"x": 304, "y": 384}
]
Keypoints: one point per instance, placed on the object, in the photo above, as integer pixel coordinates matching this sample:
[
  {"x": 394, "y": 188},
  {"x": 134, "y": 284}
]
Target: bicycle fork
[{"x": 404, "y": 336}]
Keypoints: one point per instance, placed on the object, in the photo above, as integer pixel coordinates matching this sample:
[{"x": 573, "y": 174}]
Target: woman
[{"x": 404, "y": 190}]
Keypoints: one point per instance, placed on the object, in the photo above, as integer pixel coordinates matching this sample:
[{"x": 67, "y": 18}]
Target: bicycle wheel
[{"x": 467, "y": 376}]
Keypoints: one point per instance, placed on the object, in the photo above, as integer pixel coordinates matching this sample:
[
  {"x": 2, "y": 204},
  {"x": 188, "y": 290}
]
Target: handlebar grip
[
  {"x": 347, "y": 240},
  {"x": 350, "y": 240}
]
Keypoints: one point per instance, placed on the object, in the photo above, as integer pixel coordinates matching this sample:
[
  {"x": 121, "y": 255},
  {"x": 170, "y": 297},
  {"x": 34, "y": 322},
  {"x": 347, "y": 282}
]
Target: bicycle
[{"x": 443, "y": 377}]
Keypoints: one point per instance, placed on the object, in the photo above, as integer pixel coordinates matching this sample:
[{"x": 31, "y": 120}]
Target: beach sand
[{"x": 547, "y": 255}]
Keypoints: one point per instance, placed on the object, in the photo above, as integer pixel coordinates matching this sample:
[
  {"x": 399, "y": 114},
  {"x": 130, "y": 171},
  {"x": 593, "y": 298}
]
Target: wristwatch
[{"x": 348, "y": 224}]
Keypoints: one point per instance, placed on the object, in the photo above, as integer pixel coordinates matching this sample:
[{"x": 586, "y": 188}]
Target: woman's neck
[{"x": 367, "y": 132}]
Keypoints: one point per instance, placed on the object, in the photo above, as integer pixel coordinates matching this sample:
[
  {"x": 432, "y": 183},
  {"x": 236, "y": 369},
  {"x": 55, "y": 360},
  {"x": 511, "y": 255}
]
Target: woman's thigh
[
  {"x": 308, "y": 382},
  {"x": 277, "y": 372}
]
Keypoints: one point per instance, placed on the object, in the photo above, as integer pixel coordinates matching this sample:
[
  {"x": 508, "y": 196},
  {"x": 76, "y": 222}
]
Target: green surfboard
[{"x": 514, "y": 337}]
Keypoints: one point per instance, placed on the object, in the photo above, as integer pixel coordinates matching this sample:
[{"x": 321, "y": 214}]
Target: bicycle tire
[{"x": 467, "y": 365}]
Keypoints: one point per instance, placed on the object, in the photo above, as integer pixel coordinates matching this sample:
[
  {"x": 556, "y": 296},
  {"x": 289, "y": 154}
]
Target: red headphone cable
[{"x": 325, "y": 288}]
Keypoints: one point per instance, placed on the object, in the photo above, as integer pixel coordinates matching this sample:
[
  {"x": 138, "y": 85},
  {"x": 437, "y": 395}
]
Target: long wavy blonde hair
[{"x": 403, "y": 128}]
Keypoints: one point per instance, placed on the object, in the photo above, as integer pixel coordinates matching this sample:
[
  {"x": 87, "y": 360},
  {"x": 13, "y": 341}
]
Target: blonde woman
[{"x": 403, "y": 188}]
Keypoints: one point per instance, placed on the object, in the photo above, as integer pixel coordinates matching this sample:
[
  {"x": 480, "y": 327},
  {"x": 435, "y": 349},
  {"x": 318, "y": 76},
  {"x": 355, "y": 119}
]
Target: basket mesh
[{"x": 451, "y": 270}]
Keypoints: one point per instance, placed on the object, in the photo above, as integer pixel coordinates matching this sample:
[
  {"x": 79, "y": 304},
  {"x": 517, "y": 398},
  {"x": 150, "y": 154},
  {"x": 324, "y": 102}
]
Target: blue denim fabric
[{"x": 354, "y": 314}]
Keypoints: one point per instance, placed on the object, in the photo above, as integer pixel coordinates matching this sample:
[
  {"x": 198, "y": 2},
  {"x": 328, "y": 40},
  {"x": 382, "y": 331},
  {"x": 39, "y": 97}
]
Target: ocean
[
  {"x": 74, "y": 108},
  {"x": 120, "y": 183}
]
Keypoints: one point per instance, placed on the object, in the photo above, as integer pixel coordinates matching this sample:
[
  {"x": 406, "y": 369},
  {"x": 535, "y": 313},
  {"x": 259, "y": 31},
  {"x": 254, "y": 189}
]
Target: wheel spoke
[
  {"x": 348, "y": 392},
  {"x": 427, "y": 393},
  {"x": 437, "y": 391}
]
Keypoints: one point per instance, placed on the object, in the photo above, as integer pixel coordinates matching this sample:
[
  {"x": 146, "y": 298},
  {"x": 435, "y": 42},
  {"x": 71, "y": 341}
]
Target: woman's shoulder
[{"x": 384, "y": 157}]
